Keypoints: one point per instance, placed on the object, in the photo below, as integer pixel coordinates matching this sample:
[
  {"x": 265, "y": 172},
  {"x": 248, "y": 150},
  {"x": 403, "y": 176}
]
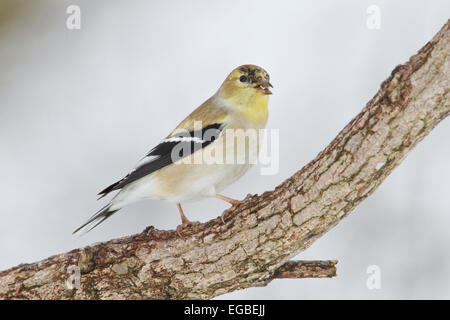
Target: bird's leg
[
  {"x": 184, "y": 220},
  {"x": 234, "y": 202}
]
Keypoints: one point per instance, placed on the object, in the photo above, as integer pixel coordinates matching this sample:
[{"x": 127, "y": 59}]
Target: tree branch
[
  {"x": 260, "y": 235},
  {"x": 306, "y": 269}
]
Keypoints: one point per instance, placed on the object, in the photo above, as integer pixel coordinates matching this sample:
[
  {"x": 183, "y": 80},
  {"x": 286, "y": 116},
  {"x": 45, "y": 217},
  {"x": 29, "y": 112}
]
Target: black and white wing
[{"x": 170, "y": 150}]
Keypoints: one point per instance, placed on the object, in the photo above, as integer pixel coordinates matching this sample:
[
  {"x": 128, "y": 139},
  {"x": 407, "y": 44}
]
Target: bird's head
[{"x": 246, "y": 80}]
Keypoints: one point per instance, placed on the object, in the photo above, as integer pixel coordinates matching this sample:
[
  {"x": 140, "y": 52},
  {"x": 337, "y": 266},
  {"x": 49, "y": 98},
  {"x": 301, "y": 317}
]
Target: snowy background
[{"x": 78, "y": 108}]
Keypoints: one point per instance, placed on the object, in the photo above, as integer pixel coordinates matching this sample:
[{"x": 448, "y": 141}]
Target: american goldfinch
[{"x": 198, "y": 158}]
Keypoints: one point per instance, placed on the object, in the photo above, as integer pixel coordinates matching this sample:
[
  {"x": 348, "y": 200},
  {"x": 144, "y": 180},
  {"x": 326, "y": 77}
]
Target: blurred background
[{"x": 79, "y": 107}]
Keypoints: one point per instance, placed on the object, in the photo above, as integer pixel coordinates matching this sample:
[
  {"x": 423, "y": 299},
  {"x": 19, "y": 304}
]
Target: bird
[{"x": 200, "y": 157}]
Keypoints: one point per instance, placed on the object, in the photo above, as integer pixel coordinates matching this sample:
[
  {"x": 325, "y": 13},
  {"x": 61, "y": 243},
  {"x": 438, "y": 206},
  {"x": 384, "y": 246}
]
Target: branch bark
[
  {"x": 306, "y": 269},
  {"x": 252, "y": 245}
]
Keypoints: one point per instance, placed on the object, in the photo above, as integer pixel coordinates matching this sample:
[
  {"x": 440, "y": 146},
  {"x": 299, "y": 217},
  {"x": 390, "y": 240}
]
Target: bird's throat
[
  {"x": 256, "y": 110},
  {"x": 254, "y": 107}
]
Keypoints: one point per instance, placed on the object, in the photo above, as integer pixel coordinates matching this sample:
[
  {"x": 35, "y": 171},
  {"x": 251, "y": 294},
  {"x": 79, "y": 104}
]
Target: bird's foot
[
  {"x": 233, "y": 202},
  {"x": 224, "y": 215},
  {"x": 228, "y": 211},
  {"x": 185, "y": 224}
]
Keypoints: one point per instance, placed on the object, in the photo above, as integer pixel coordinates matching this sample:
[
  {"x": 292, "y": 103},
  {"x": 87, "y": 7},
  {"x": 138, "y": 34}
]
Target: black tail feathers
[{"x": 101, "y": 215}]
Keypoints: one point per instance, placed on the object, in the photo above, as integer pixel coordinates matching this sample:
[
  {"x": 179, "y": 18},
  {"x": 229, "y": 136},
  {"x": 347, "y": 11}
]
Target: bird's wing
[
  {"x": 208, "y": 113},
  {"x": 179, "y": 144}
]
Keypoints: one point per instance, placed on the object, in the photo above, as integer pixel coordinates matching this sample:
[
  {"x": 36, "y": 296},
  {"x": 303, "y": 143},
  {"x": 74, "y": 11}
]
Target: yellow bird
[{"x": 204, "y": 154}]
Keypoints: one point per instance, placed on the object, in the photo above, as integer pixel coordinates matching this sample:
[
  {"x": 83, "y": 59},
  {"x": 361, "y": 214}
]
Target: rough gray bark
[{"x": 252, "y": 245}]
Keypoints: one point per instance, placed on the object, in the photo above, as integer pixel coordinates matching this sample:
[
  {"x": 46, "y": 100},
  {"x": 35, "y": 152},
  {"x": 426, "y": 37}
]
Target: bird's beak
[{"x": 263, "y": 87}]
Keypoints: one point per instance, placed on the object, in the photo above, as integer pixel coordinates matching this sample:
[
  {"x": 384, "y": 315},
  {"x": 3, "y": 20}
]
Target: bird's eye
[{"x": 243, "y": 79}]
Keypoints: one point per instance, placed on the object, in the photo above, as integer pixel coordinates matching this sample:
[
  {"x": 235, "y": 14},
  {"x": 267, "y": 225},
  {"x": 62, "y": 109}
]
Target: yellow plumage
[{"x": 240, "y": 104}]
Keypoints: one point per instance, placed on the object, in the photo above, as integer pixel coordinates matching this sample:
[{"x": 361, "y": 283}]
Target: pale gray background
[{"x": 79, "y": 108}]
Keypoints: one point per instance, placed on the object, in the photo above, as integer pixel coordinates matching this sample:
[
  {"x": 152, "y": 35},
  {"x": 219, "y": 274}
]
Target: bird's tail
[{"x": 100, "y": 216}]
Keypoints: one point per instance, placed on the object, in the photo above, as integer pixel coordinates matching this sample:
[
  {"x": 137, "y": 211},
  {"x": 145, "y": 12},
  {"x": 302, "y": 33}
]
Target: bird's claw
[
  {"x": 234, "y": 204},
  {"x": 184, "y": 225},
  {"x": 228, "y": 211},
  {"x": 224, "y": 214}
]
